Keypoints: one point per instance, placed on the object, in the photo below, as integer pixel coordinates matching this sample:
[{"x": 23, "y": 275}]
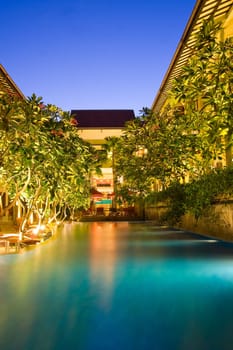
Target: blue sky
[{"x": 91, "y": 54}]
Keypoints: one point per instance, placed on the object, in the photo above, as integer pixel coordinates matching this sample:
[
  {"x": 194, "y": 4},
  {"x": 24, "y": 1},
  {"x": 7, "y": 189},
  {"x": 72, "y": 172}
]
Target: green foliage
[
  {"x": 194, "y": 128},
  {"x": 197, "y": 196},
  {"x": 44, "y": 163},
  {"x": 174, "y": 198},
  {"x": 200, "y": 194},
  {"x": 204, "y": 89}
]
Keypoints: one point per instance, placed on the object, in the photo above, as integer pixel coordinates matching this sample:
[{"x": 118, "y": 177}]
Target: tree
[
  {"x": 130, "y": 163},
  {"x": 45, "y": 166},
  {"x": 204, "y": 91}
]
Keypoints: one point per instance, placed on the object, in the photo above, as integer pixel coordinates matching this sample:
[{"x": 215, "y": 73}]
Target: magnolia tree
[{"x": 45, "y": 166}]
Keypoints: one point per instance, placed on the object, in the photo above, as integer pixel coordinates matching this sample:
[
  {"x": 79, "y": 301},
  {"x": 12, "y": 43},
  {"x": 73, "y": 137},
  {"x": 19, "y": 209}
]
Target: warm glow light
[
  {"x": 35, "y": 230},
  {"x": 38, "y": 228},
  {"x": 31, "y": 218}
]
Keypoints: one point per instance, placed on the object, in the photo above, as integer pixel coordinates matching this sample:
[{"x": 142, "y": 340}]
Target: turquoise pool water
[{"x": 107, "y": 286}]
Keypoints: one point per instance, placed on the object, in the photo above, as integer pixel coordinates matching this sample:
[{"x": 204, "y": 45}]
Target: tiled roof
[
  {"x": 203, "y": 10},
  {"x": 7, "y": 85},
  {"x": 102, "y": 118}
]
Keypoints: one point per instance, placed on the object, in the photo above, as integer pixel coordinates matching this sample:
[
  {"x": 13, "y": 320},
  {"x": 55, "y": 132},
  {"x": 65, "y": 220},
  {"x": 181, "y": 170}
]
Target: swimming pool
[{"x": 118, "y": 285}]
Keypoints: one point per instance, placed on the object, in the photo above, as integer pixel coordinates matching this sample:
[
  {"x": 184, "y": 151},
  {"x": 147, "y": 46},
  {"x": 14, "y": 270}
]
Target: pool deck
[{"x": 9, "y": 239}]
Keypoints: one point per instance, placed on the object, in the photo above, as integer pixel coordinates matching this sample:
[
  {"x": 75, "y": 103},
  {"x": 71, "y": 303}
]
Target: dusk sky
[{"x": 91, "y": 54}]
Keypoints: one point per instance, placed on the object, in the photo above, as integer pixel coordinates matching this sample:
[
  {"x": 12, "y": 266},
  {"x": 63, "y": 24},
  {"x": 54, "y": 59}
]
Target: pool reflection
[{"x": 118, "y": 286}]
